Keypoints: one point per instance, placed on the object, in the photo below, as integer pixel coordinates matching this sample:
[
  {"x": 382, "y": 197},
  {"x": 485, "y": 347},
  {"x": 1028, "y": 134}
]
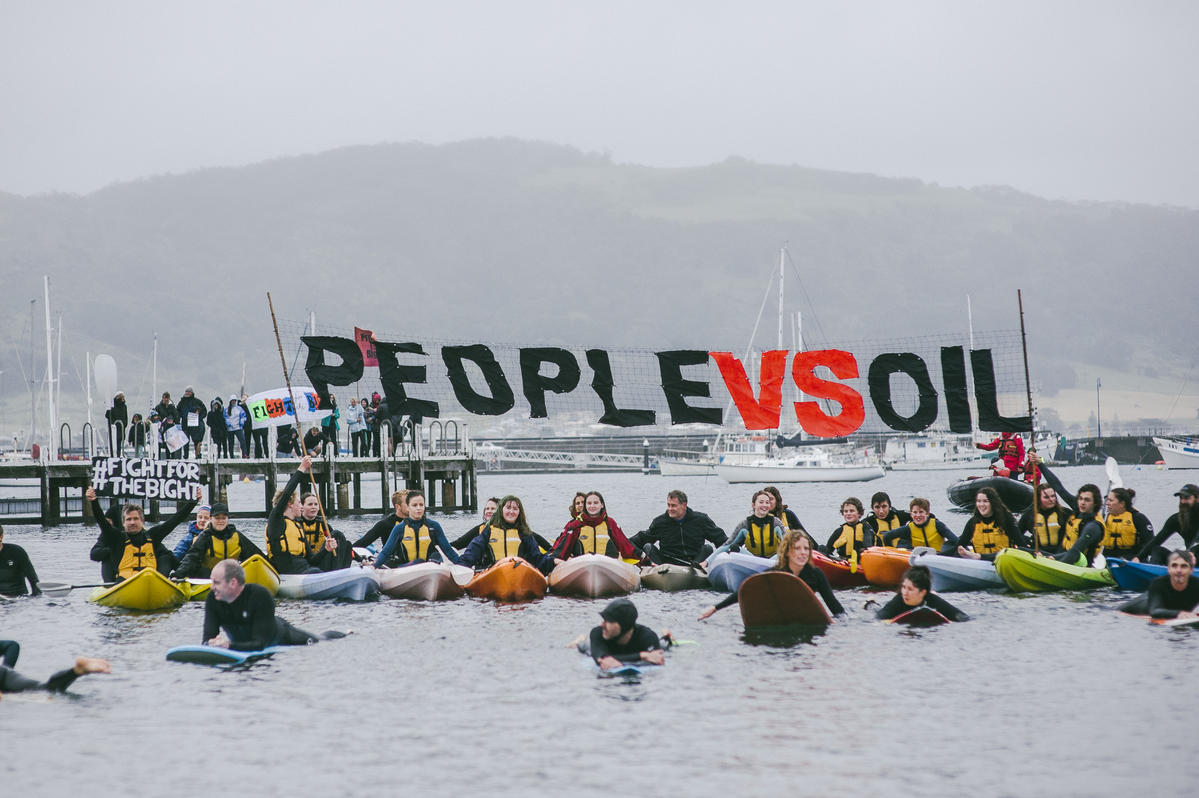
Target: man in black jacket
[
  {"x": 680, "y": 535},
  {"x": 192, "y": 416}
]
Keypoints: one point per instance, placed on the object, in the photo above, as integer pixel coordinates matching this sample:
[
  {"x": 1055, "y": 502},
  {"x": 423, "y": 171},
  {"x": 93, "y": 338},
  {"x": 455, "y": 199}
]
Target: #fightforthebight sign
[
  {"x": 838, "y": 390},
  {"x": 144, "y": 478}
]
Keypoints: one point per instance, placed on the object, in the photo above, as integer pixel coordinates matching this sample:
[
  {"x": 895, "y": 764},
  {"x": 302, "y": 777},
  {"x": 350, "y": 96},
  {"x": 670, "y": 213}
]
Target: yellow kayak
[
  {"x": 261, "y": 572},
  {"x": 145, "y": 590},
  {"x": 196, "y": 589}
]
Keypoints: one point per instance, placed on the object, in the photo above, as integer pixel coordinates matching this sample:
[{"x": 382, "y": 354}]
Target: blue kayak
[
  {"x": 1134, "y": 576},
  {"x": 728, "y": 569},
  {"x": 209, "y": 655}
]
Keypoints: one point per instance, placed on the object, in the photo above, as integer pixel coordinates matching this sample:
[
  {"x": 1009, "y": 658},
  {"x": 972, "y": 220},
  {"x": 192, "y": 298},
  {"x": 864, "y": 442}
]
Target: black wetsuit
[
  {"x": 1090, "y": 535},
  {"x": 15, "y": 571},
  {"x": 682, "y": 541},
  {"x": 9, "y": 651},
  {"x": 110, "y": 545},
  {"x": 813, "y": 577},
  {"x": 469, "y": 535},
  {"x": 193, "y": 562},
  {"x": 896, "y": 607},
  {"x": 249, "y": 622},
  {"x": 320, "y": 557},
  {"x": 382, "y": 529},
  {"x": 643, "y": 639},
  {"x": 1163, "y": 601},
  {"x": 276, "y": 526},
  {"x": 1153, "y": 551},
  {"x": 13, "y": 682}
]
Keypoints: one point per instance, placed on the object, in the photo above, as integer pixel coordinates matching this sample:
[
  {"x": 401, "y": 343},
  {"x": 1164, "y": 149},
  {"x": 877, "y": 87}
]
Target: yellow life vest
[
  {"x": 1049, "y": 530},
  {"x": 416, "y": 541},
  {"x": 852, "y": 538},
  {"x": 594, "y": 539},
  {"x": 1070, "y": 535},
  {"x": 504, "y": 542},
  {"x": 989, "y": 538},
  {"x": 760, "y": 538},
  {"x": 313, "y": 533},
  {"x": 137, "y": 558},
  {"x": 926, "y": 535},
  {"x": 891, "y": 523},
  {"x": 293, "y": 541},
  {"x": 1119, "y": 533},
  {"x": 222, "y": 550}
]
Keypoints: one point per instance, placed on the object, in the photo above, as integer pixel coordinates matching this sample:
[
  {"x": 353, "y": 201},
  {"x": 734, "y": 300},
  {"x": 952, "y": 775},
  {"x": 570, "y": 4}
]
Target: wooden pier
[{"x": 447, "y": 478}]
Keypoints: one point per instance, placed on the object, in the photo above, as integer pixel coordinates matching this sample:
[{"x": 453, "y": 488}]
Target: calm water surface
[{"x": 1038, "y": 695}]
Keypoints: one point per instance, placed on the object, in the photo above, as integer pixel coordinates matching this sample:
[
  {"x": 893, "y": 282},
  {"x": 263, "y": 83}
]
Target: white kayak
[
  {"x": 425, "y": 581},
  {"x": 728, "y": 569},
  {"x": 959, "y": 574},
  {"x": 354, "y": 584},
  {"x": 594, "y": 575}
]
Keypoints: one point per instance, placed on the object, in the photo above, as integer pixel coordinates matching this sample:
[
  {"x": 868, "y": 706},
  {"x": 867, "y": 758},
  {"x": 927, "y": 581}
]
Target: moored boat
[
  {"x": 884, "y": 566},
  {"x": 1024, "y": 571},
  {"x": 840, "y": 573},
  {"x": 355, "y": 584},
  {"x": 594, "y": 575},
  {"x": 145, "y": 590},
  {"x": 1015, "y": 495},
  {"x": 673, "y": 578},
  {"x": 950, "y": 574},
  {"x": 812, "y": 464},
  {"x": 1178, "y": 453},
  {"x": 510, "y": 579},
  {"x": 425, "y": 581},
  {"x": 728, "y": 569}
]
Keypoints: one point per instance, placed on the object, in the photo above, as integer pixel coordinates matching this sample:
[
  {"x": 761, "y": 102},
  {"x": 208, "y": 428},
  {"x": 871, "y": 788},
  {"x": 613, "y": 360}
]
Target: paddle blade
[
  {"x": 54, "y": 589},
  {"x": 1113, "y": 473}
]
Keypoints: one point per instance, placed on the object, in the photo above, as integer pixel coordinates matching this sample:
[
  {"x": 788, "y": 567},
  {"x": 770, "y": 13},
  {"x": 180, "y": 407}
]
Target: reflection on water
[{"x": 1031, "y": 697}]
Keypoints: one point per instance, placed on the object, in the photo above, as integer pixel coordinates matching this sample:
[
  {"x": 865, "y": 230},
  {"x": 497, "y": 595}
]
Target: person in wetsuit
[
  {"x": 680, "y": 535},
  {"x": 1125, "y": 531},
  {"x": 760, "y": 533},
  {"x": 784, "y": 514},
  {"x": 1175, "y": 595},
  {"x": 921, "y": 529},
  {"x": 464, "y": 540},
  {"x": 382, "y": 528},
  {"x": 329, "y": 549},
  {"x": 416, "y": 538},
  {"x": 990, "y": 530},
  {"x": 883, "y": 517},
  {"x": 1184, "y": 523},
  {"x": 242, "y": 617},
  {"x": 916, "y": 591},
  {"x": 1046, "y": 522},
  {"x": 794, "y": 557},
  {"x": 286, "y": 546},
  {"x": 853, "y": 536},
  {"x": 122, "y": 554},
  {"x": 13, "y": 682},
  {"x": 620, "y": 640},
  {"x": 221, "y": 540},
  {"x": 16, "y": 570}
]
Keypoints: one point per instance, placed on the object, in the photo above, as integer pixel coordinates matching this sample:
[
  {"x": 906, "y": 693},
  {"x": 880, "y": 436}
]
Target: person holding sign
[
  {"x": 121, "y": 554},
  {"x": 192, "y": 418},
  {"x": 287, "y": 548},
  {"x": 220, "y": 540}
]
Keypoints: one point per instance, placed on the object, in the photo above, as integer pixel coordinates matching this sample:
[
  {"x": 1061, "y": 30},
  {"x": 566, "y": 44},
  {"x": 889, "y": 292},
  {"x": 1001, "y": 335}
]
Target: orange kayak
[
  {"x": 838, "y": 572},
  {"x": 510, "y": 579},
  {"x": 885, "y": 567}
]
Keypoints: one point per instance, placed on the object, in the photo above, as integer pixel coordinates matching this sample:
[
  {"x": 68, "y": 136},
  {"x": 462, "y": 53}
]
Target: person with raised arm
[{"x": 121, "y": 554}]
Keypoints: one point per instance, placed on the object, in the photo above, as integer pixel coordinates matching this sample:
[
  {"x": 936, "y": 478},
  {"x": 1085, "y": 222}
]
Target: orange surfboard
[{"x": 777, "y": 598}]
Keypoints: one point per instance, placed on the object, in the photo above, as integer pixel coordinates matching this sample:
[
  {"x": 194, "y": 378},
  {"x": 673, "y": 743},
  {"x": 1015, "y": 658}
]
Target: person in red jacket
[{"x": 1011, "y": 450}]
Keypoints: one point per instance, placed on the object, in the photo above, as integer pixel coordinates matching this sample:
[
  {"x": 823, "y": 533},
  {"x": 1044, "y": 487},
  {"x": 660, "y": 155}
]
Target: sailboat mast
[
  {"x": 50, "y": 442},
  {"x": 782, "y": 276},
  {"x": 154, "y": 373}
]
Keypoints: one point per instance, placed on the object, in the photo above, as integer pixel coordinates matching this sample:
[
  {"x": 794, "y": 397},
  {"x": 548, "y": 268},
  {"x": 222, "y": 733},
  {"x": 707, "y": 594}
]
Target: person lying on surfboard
[
  {"x": 916, "y": 591},
  {"x": 795, "y": 555},
  {"x": 620, "y": 640},
  {"x": 242, "y": 617}
]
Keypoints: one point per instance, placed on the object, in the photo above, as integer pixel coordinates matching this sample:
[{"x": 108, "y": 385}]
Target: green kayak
[{"x": 1023, "y": 571}]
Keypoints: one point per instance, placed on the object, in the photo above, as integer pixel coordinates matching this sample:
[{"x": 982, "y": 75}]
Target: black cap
[
  {"x": 1189, "y": 489},
  {"x": 622, "y": 612},
  {"x": 219, "y": 508}
]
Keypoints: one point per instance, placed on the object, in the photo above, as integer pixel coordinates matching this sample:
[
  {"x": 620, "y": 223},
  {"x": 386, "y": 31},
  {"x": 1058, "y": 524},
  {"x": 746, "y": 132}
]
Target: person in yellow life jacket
[
  {"x": 507, "y": 535},
  {"x": 1125, "y": 531},
  {"x": 577, "y": 505},
  {"x": 463, "y": 540},
  {"x": 286, "y": 547},
  {"x": 121, "y": 554},
  {"x": 325, "y": 557},
  {"x": 415, "y": 539},
  {"x": 221, "y": 540},
  {"x": 593, "y": 531},
  {"x": 922, "y": 529},
  {"x": 990, "y": 530},
  {"x": 758, "y": 534},
  {"x": 784, "y": 514},
  {"x": 382, "y": 528},
  {"x": 883, "y": 517},
  {"x": 1046, "y": 523},
  {"x": 853, "y": 536}
]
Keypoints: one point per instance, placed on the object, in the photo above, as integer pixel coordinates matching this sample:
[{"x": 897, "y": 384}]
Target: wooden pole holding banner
[
  {"x": 295, "y": 408},
  {"x": 1032, "y": 431}
]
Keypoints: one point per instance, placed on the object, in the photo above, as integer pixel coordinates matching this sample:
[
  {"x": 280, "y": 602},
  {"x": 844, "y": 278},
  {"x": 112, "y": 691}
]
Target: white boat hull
[
  {"x": 670, "y": 467},
  {"x": 768, "y": 474},
  {"x": 1178, "y": 454},
  {"x": 428, "y": 581},
  {"x": 943, "y": 465}
]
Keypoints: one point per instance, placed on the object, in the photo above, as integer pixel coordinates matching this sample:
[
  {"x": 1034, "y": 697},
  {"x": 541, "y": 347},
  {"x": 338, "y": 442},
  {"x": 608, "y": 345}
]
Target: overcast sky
[{"x": 1078, "y": 100}]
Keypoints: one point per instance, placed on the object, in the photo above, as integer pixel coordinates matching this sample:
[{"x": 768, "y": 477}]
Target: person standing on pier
[{"x": 192, "y": 418}]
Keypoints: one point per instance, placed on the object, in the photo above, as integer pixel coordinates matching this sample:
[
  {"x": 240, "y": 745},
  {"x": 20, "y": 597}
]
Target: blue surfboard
[{"x": 208, "y": 655}]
